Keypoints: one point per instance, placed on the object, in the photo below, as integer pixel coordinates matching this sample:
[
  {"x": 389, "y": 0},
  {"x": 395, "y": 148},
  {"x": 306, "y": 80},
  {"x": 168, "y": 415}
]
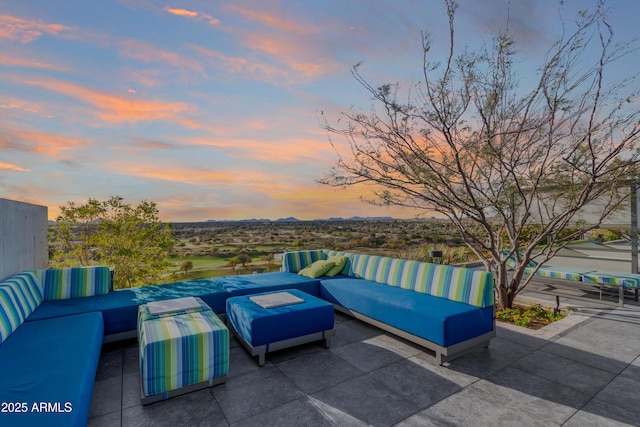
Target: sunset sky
[{"x": 211, "y": 108}]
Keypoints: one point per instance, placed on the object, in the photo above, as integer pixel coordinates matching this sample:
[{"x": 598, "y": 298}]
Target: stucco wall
[{"x": 23, "y": 237}]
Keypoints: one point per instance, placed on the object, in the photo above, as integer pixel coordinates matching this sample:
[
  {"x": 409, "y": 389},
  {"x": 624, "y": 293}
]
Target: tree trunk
[{"x": 506, "y": 288}]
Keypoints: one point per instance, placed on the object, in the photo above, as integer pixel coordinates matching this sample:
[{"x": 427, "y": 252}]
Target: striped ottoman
[
  {"x": 183, "y": 346},
  {"x": 273, "y": 321}
]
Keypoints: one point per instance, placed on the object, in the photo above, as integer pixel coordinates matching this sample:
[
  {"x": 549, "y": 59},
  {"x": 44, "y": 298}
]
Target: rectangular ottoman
[
  {"x": 183, "y": 348},
  {"x": 262, "y": 329}
]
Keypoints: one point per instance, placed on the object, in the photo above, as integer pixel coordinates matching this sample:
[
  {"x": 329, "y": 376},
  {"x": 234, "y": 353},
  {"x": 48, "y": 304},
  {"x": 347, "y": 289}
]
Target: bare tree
[{"x": 497, "y": 159}]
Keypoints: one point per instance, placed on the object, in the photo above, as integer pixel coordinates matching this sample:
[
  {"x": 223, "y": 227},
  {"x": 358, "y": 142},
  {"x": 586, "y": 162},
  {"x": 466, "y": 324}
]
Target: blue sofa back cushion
[
  {"x": 52, "y": 361},
  {"x": 120, "y": 308},
  {"x": 435, "y": 319},
  {"x": 256, "y": 283},
  {"x": 74, "y": 282}
]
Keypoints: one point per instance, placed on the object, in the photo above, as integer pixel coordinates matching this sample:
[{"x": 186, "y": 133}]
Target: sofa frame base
[
  {"x": 262, "y": 350},
  {"x": 443, "y": 354},
  {"x": 147, "y": 400}
]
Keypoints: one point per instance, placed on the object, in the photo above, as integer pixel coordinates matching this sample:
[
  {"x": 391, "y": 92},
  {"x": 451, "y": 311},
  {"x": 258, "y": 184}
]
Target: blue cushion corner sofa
[
  {"x": 449, "y": 310},
  {"x": 72, "y": 312}
]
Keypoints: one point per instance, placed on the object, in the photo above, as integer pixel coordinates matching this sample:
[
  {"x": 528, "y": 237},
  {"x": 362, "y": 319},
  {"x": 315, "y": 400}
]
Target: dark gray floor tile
[
  {"x": 192, "y": 409},
  {"x": 294, "y": 414},
  {"x": 505, "y": 350},
  {"x": 428, "y": 362},
  {"x": 110, "y": 364},
  {"x": 131, "y": 390},
  {"x": 106, "y": 397},
  {"x": 112, "y": 419},
  {"x": 367, "y": 400},
  {"x": 353, "y": 330},
  {"x": 570, "y": 373},
  {"x": 616, "y": 340},
  {"x": 528, "y": 392},
  {"x": 479, "y": 363},
  {"x": 340, "y": 317},
  {"x": 291, "y": 353},
  {"x": 535, "y": 387},
  {"x": 596, "y": 360},
  {"x": 256, "y": 392},
  {"x": 473, "y": 407},
  {"x": 588, "y": 419},
  {"x": 519, "y": 336},
  {"x": 131, "y": 362},
  {"x": 317, "y": 371},
  {"x": 366, "y": 356},
  {"x": 415, "y": 383},
  {"x": 601, "y": 414},
  {"x": 619, "y": 400},
  {"x": 241, "y": 362}
]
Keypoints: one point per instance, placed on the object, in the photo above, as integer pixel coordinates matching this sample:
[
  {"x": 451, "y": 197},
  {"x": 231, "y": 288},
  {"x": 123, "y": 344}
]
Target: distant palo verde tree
[
  {"x": 510, "y": 166},
  {"x": 131, "y": 239},
  {"x": 186, "y": 266}
]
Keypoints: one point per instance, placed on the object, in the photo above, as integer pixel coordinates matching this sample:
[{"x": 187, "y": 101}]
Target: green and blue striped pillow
[{"x": 64, "y": 283}]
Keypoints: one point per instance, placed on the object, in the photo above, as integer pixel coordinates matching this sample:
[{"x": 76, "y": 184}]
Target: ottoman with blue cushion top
[
  {"x": 184, "y": 347},
  {"x": 273, "y": 321}
]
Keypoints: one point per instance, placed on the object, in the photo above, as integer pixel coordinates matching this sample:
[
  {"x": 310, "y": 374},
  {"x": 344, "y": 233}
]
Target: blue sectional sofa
[
  {"x": 447, "y": 309},
  {"x": 47, "y": 367},
  {"x": 53, "y": 322}
]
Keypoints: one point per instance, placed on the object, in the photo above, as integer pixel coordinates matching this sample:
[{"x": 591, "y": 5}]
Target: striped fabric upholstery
[
  {"x": 64, "y": 283},
  {"x": 627, "y": 280},
  {"x": 469, "y": 286},
  {"x": 293, "y": 262},
  {"x": 557, "y": 272},
  {"x": 379, "y": 269},
  {"x": 474, "y": 287},
  {"x": 26, "y": 292},
  {"x": 10, "y": 314},
  {"x": 177, "y": 351}
]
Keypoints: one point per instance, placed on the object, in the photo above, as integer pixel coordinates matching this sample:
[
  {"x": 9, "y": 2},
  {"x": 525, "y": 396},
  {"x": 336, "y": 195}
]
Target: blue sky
[{"x": 212, "y": 108}]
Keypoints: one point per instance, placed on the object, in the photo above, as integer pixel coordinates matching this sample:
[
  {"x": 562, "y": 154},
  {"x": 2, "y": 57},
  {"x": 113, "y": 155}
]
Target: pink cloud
[
  {"x": 115, "y": 108},
  {"x": 192, "y": 15},
  {"x": 233, "y": 65},
  {"x": 292, "y": 53},
  {"x": 26, "y": 31},
  {"x": 272, "y": 21},
  {"x": 29, "y": 141},
  {"x": 12, "y": 167},
  {"x": 147, "y": 53},
  {"x": 30, "y": 63}
]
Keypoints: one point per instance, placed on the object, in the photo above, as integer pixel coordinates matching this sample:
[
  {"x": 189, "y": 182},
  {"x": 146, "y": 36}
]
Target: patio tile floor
[{"x": 583, "y": 371}]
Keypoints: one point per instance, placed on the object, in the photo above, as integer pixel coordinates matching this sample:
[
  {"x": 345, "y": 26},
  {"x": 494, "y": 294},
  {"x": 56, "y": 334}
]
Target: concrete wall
[{"x": 23, "y": 237}]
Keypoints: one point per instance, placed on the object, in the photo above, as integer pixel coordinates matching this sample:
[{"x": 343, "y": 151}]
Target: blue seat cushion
[
  {"x": 265, "y": 282},
  {"x": 53, "y": 361},
  {"x": 120, "y": 308},
  {"x": 435, "y": 319},
  {"x": 260, "y": 326}
]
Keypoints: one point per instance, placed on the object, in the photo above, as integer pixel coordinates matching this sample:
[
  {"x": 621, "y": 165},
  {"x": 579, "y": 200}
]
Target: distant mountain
[
  {"x": 240, "y": 220},
  {"x": 287, "y": 219},
  {"x": 293, "y": 219}
]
